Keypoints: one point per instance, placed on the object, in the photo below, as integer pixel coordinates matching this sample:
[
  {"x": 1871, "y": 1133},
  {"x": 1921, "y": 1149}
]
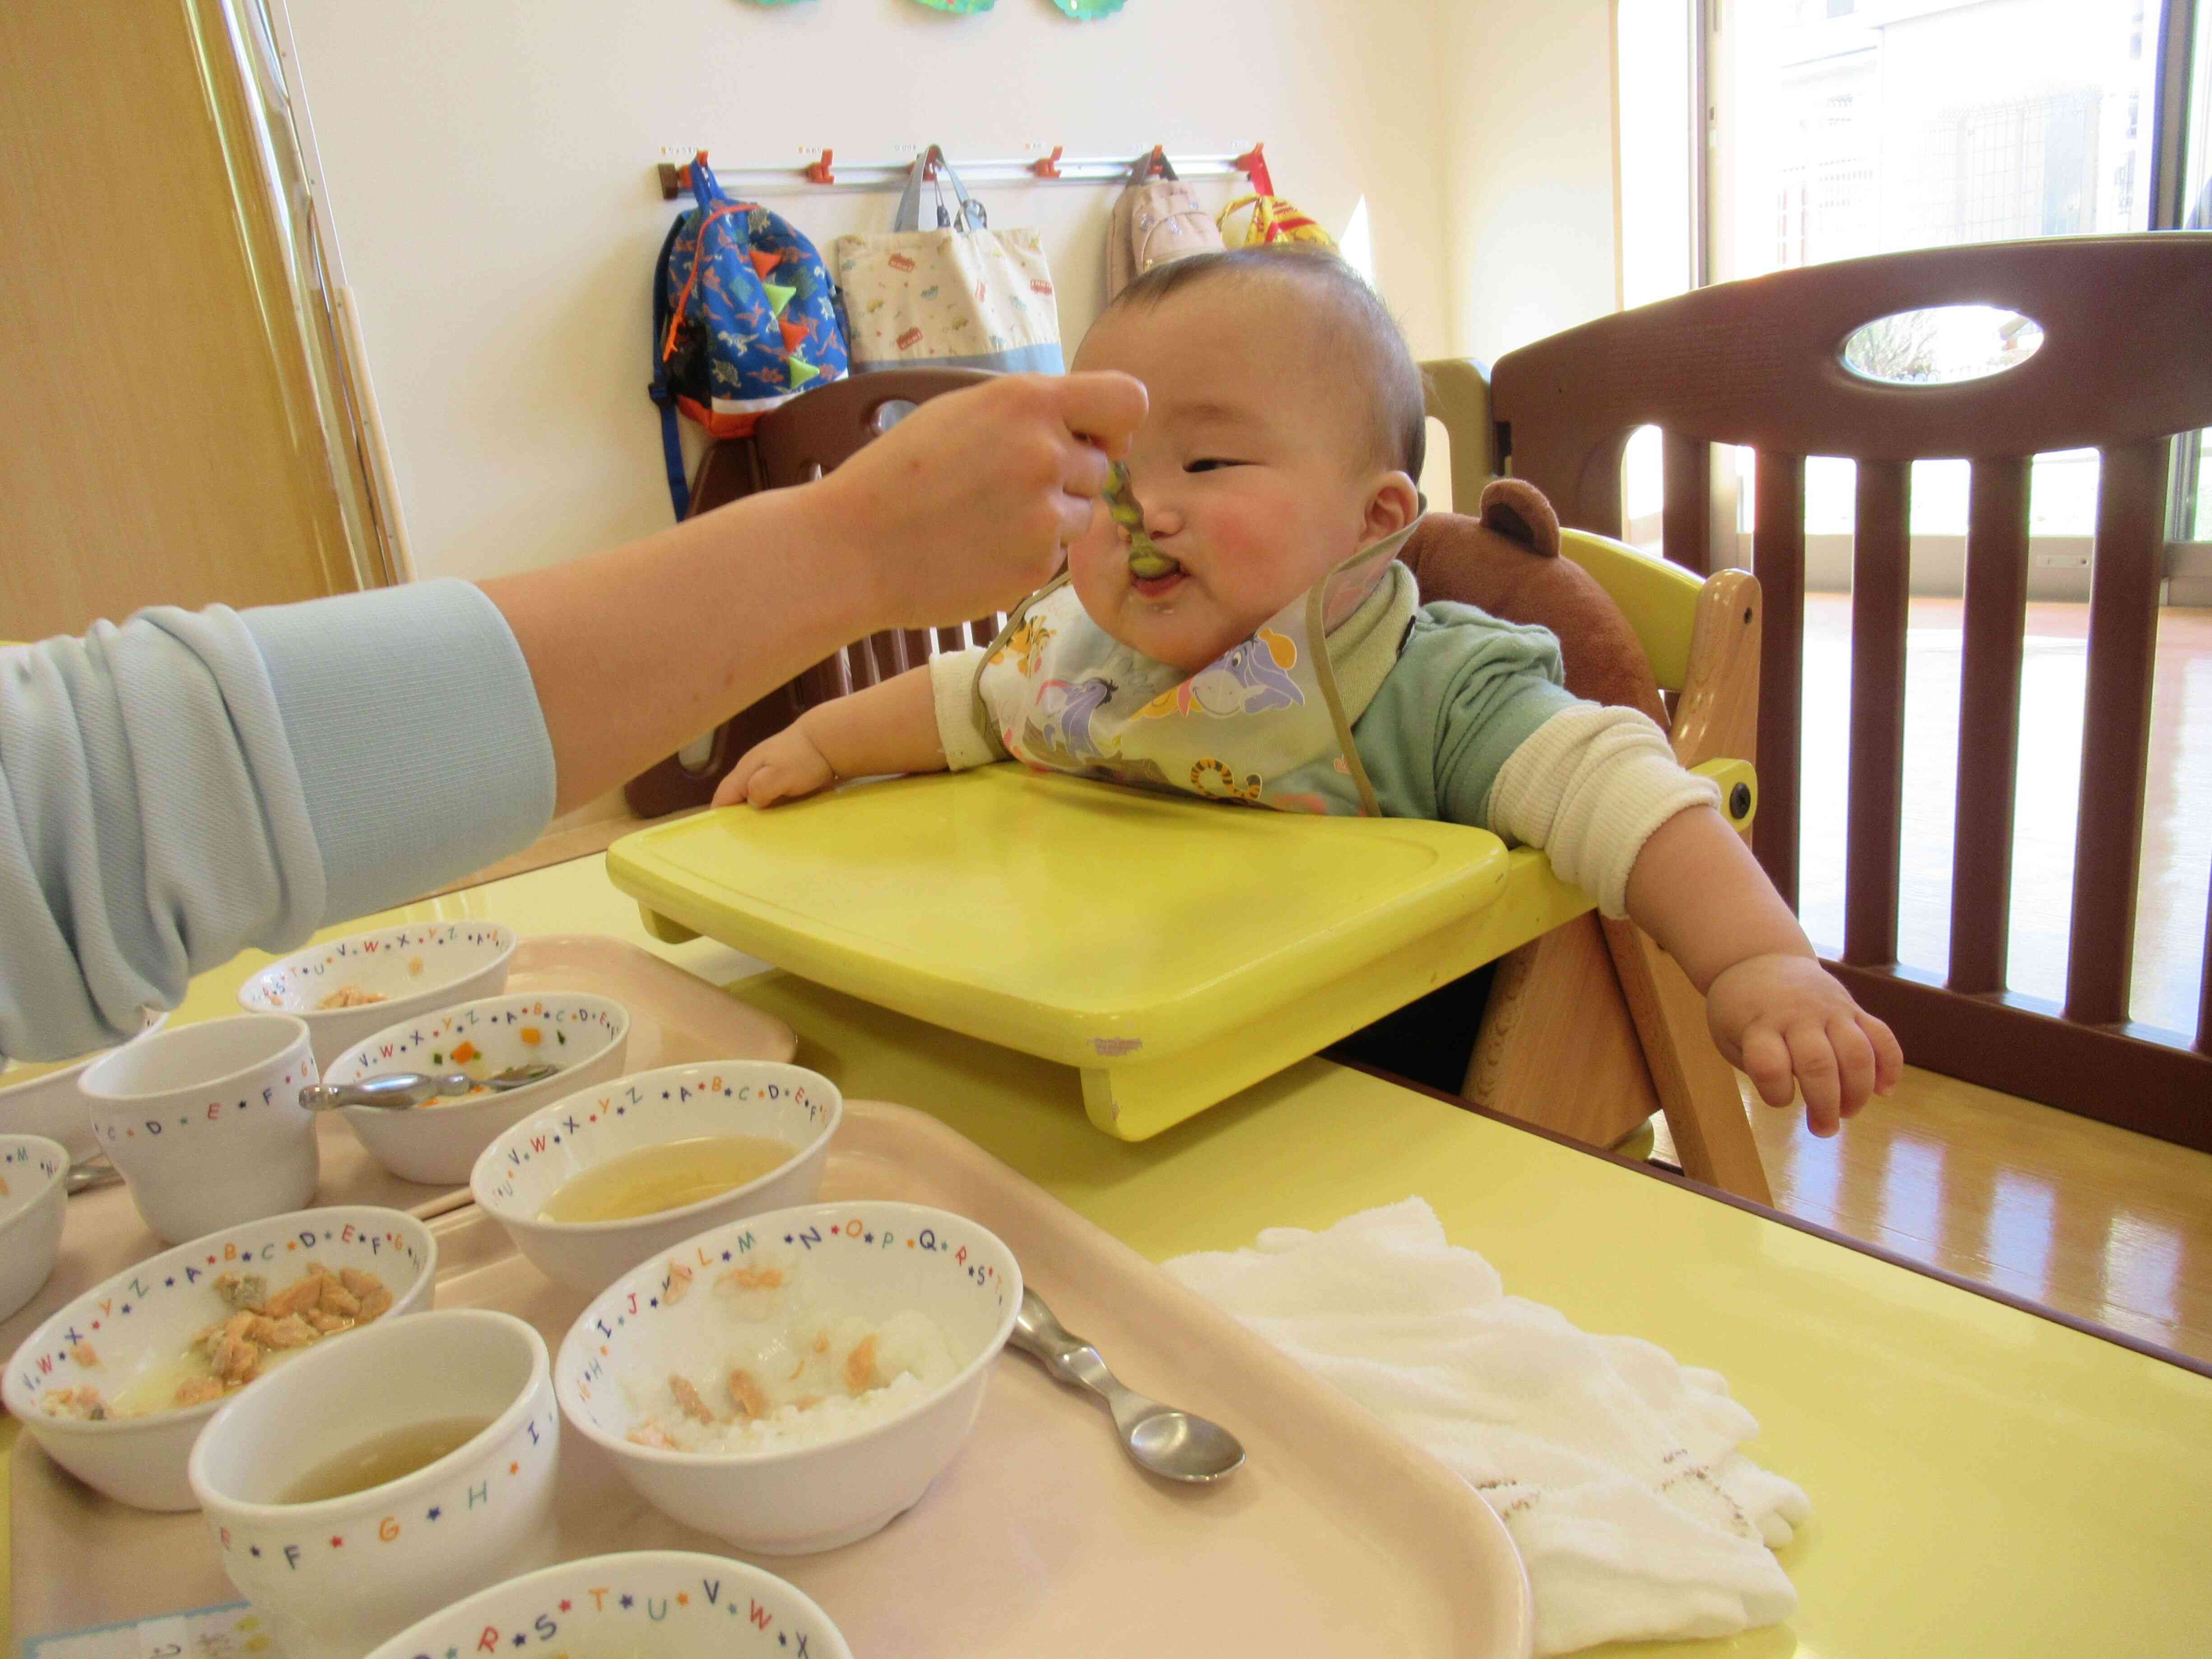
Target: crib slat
[
  {"x": 1778, "y": 559},
  {"x": 984, "y": 629},
  {"x": 1686, "y": 513},
  {"x": 948, "y": 639},
  {"x": 1988, "y": 723},
  {"x": 917, "y": 646},
  {"x": 1881, "y": 590},
  {"x": 2116, "y": 730}
]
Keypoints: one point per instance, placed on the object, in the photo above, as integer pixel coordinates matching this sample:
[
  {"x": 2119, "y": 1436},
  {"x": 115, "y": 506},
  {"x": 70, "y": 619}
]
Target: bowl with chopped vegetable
[
  {"x": 347, "y": 989},
  {"x": 583, "y": 1037},
  {"x": 794, "y": 1381},
  {"x": 117, "y": 1385}
]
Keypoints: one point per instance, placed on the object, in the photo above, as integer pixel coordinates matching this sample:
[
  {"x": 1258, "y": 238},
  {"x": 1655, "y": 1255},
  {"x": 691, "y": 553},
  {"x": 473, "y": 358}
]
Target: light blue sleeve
[{"x": 188, "y": 784}]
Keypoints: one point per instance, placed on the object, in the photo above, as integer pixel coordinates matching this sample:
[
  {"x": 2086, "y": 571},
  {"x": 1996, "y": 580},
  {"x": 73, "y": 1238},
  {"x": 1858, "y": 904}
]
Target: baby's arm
[
  {"x": 1599, "y": 791},
  {"x": 890, "y": 727},
  {"x": 1773, "y": 1009}
]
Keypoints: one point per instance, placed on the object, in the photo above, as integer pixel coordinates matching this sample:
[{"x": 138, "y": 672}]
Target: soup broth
[
  {"x": 651, "y": 1179},
  {"x": 388, "y": 1457}
]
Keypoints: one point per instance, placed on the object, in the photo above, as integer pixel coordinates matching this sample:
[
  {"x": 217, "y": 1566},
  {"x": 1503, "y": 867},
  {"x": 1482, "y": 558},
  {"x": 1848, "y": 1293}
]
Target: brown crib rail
[{"x": 2125, "y": 363}]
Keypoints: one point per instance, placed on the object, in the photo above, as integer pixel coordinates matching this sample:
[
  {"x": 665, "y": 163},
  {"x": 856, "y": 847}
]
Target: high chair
[{"x": 1174, "y": 953}]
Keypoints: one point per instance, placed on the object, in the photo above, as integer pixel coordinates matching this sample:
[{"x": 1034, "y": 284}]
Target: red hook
[
  {"x": 818, "y": 172},
  {"x": 1048, "y": 166},
  {"x": 1253, "y": 162}
]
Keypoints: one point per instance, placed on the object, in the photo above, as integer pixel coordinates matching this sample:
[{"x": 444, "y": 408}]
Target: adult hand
[{"x": 963, "y": 507}]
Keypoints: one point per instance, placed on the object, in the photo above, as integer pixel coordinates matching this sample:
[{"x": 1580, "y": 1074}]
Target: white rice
[{"x": 812, "y": 1370}]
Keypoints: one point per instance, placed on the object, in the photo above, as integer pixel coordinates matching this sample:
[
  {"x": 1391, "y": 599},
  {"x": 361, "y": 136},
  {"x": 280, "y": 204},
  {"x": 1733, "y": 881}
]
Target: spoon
[
  {"x": 1159, "y": 1438},
  {"x": 88, "y": 1173},
  {"x": 402, "y": 1090}
]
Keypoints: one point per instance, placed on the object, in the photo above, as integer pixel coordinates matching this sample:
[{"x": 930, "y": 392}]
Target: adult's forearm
[{"x": 637, "y": 650}]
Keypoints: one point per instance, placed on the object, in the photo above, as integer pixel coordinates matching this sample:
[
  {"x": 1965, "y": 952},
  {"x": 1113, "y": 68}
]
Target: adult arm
[{"x": 186, "y": 785}]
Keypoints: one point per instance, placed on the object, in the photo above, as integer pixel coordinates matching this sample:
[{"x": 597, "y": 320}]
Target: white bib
[{"x": 1263, "y": 724}]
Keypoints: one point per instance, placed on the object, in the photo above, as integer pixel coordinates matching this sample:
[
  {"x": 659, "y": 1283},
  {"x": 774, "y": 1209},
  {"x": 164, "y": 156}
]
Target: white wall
[
  {"x": 1527, "y": 164},
  {"x": 489, "y": 169}
]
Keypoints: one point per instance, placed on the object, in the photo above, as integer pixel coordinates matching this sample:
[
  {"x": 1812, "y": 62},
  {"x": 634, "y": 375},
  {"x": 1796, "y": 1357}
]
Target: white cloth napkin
[{"x": 1616, "y": 1470}]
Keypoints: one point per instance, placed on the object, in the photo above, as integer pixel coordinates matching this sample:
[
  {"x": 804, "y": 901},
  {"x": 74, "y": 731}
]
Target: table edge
[{"x": 1942, "y": 1275}]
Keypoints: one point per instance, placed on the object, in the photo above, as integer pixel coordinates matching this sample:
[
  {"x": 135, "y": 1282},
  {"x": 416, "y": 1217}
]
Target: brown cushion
[{"x": 1507, "y": 562}]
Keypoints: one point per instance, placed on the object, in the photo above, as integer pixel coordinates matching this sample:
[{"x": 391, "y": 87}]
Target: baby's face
[{"x": 1251, "y": 466}]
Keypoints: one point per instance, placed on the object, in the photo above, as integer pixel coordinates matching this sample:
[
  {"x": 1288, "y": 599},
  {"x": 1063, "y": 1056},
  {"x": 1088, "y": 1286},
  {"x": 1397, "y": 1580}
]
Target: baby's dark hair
[{"x": 1367, "y": 345}]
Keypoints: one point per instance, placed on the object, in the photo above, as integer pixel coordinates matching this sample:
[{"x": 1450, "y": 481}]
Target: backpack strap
[{"x": 672, "y": 445}]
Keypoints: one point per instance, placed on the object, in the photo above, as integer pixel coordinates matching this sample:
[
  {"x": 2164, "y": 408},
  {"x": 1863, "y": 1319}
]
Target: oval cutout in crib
[{"x": 1940, "y": 345}]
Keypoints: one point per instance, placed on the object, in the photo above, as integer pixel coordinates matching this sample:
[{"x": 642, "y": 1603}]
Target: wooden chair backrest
[
  {"x": 795, "y": 444},
  {"x": 2122, "y": 366}
]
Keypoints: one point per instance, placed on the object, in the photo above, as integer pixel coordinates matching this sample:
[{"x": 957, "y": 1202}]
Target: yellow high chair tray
[{"x": 1175, "y": 950}]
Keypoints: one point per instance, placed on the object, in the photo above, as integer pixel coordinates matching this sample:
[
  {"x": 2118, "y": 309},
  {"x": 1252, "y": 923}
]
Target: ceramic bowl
[
  {"x": 45, "y": 1100},
  {"x": 523, "y": 1168},
  {"x": 34, "y": 1187},
  {"x": 586, "y": 1035},
  {"x": 205, "y": 1122},
  {"x": 865, "y": 1258},
  {"x": 414, "y": 968},
  {"x": 671, "y": 1604},
  {"x": 335, "y": 1577},
  {"x": 147, "y": 1315}
]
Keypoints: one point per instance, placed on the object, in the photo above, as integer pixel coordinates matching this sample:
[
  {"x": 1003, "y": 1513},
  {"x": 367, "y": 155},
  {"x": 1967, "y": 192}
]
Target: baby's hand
[
  {"x": 1787, "y": 1021},
  {"x": 781, "y": 767}
]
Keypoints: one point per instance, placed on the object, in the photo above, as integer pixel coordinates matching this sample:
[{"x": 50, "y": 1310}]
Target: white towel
[{"x": 1616, "y": 1470}]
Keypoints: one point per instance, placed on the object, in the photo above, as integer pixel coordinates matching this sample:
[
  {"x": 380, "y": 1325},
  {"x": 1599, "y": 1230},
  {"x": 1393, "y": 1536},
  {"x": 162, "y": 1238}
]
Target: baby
[{"x": 1241, "y": 646}]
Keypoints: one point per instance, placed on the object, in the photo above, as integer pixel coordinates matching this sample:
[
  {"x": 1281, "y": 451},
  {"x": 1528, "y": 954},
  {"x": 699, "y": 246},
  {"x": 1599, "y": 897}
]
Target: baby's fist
[
  {"x": 781, "y": 767},
  {"x": 1786, "y": 1021}
]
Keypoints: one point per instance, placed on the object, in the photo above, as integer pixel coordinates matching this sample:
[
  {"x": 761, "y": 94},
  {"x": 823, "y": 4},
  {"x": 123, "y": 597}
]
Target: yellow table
[{"x": 1984, "y": 1481}]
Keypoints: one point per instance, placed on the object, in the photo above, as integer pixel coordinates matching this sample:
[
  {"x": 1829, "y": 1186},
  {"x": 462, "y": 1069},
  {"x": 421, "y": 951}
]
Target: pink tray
[
  {"x": 674, "y": 1018},
  {"x": 1337, "y": 1536}
]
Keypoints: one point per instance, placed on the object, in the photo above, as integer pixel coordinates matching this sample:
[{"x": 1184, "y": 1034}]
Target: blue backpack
[{"x": 746, "y": 325}]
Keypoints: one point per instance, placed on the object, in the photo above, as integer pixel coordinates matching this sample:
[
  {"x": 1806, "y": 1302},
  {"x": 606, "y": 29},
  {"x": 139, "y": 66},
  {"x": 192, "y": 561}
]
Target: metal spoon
[
  {"x": 402, "y": 1090},
  {"x": 1167, "y": 1441},
  {"x": 87, "y": 1173}
]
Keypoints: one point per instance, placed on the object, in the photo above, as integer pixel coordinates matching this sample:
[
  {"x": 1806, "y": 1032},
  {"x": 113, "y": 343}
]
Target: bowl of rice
[{"x": 794, "y": 1381}]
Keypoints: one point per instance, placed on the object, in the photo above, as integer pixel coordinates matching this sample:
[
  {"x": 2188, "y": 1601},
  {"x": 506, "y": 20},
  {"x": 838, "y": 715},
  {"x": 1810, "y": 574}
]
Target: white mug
[
  {"x": 204, "y": 1121},
  {"x": 335, "y": 1577}
]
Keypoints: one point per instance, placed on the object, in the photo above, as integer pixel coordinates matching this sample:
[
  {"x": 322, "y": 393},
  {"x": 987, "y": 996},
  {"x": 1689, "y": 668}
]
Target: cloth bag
[
  {"x": 1155, "y": 220},
  {"x": 962, "y": 296}
]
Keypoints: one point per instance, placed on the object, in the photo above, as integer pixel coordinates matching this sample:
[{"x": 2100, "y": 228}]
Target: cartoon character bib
[{"x": 1263, "y": 724}]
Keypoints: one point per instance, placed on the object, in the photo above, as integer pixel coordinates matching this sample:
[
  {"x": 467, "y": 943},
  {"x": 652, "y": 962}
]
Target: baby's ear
[
  {"x": 1395, "y": 504},
  {"x": 1517, "y": 511}
]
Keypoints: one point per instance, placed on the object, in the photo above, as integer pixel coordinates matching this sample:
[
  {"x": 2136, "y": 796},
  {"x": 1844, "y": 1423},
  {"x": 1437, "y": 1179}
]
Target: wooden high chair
[{"x": 1589, "y": 1030}]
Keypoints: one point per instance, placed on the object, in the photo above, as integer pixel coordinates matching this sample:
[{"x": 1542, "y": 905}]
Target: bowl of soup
[
  {"x": 599, "y": 1181},
  {"x": 362, "y": 1489},
  {"x": 117, "y": 1385},
  {"x": 583, "y": 1037}
]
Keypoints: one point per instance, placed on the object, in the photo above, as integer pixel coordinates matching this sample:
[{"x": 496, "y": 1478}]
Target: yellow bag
[{"x": 1271, "y": 219}]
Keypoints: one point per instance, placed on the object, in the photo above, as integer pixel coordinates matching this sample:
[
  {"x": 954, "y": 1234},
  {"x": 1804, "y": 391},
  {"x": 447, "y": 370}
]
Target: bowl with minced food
[
  {"x": 794, "y": 1381},
  {"x": 116, "y": 1386},
  {"x": 346, "y": 988}
]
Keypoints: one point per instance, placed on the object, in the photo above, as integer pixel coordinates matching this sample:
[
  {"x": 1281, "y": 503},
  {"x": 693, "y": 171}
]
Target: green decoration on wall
[
  {"x": 961, "y": 8},
  {"x": 1084, "y": 10}
]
